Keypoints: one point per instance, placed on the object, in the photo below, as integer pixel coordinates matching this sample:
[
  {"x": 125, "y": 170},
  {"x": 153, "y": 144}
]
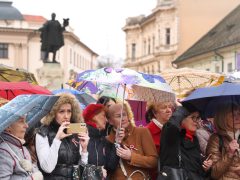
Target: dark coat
[
  {"x": 171, "y": 136},
  {"x": 101, "y": 152},
  {"x": 68, "y": 154}
]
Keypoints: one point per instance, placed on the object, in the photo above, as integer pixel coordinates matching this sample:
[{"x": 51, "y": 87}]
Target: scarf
[{"x": 189, "y": 135}]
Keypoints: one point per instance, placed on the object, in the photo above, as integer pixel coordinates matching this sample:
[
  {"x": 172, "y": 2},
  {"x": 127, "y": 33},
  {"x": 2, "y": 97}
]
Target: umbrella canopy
[
  {"x": 82, "y": 97},
  {"x": 9, "y": 90},
  {"x": 8, "y": 74},
  {"x": 140, "y": 82},
  {"x": 185, "y": 80},
  {"x": 34, "y": 106},
  {"x": 202, "y": 97}
]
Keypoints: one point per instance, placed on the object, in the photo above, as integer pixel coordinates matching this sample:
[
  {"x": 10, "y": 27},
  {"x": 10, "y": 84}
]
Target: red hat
[{"x": 91, "y": 110}]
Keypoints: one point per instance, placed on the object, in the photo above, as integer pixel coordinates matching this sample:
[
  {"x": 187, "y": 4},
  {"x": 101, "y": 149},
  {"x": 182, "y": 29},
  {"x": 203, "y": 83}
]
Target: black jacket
[
  {"x": 171, "y": 137},
  {"x": 101, "y": 152},
  {"x": 68, "y": 154}
]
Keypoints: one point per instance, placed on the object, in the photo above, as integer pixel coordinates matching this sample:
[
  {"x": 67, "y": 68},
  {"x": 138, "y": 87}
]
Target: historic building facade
[
  {"x": 20, "y": 44},
  {"x": 218, "y": 50},
  {"x": 154, "y": 41}
]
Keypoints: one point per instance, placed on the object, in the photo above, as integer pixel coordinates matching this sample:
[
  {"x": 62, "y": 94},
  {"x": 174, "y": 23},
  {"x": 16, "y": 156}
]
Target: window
[
  {"x": 217, "y": 69},
  {"x": 42, "y": 54},
  {"x": 159, "y": 66},
  {"x": 159, "y": 38},
  {"x": 149, "y": 46},
  {"x": 133, "y": 51},
  {"x": 144, "y": 48},
  {"x": 153, "y": 43},
  {"x": 168, "y": 36},
  {"x": 229, "y": 67},
  {"x": 3, "y": 50},
  {"x": 70, "y": 56}
]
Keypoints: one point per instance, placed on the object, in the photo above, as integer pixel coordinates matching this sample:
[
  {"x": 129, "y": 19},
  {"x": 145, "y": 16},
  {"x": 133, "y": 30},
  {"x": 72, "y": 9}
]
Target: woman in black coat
[
  {"x": 101, "y": 152},
  {"x": 178, "y": 137}
]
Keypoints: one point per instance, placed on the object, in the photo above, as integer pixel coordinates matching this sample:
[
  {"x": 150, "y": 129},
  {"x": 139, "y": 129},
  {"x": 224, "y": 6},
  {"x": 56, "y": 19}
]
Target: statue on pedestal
[{"x": 52, "y": 37}]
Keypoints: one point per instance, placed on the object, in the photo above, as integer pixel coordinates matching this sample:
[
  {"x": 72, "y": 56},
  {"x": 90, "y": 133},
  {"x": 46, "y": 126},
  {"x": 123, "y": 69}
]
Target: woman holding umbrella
[
  {"x": 223, "y": 146},
  {"x": 58, "y": 152},
  {"x": 15, "y": 159}
]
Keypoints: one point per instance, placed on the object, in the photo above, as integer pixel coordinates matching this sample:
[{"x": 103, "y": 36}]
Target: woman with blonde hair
[
  {"x": 136, "y": 148},
  {"x": 223, "y": 146},
  {"x": 59, "y": 153}
]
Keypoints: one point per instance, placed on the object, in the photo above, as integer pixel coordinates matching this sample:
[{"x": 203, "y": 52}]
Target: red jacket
[{"x": 156, "y": 134}]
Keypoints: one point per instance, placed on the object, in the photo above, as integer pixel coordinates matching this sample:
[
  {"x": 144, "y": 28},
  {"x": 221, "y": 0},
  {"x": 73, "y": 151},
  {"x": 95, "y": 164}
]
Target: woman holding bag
[{"x": 179, "y": 148}]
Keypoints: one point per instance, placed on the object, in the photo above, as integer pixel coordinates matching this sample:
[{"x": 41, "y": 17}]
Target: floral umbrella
[
  {"x": 124, "y": 76},
  {"x": 140, "y": 82},
  {"x": 185, "y": 80}
]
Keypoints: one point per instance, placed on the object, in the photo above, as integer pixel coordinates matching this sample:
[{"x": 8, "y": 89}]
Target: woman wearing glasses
[{"x": 179, "y": 146}]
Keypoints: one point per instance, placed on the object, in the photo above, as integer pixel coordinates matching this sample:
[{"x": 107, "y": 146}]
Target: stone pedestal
[{"x": 51, "y": 76}]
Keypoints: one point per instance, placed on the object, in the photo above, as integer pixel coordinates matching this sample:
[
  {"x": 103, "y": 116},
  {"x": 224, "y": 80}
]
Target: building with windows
[
  {"x": 20, "y": 44},
  {"x": 218, "y": 50},
  {"x": 154, "y": 41}
]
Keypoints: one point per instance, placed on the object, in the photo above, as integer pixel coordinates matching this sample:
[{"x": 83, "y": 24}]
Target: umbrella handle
[{"x": 124, "y": 90}]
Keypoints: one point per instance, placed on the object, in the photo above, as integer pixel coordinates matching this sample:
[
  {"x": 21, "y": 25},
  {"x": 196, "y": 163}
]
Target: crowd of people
[{"x": 175, "y": 138}]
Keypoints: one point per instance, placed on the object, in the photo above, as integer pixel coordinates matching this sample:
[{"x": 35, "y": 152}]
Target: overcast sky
[{"x": 98, "y": 23}]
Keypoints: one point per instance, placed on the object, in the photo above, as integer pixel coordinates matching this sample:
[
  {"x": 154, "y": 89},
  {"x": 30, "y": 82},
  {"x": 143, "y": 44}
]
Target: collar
[
  {"x": 158, "y": 124},
  {"x": 12, "y": 139}
]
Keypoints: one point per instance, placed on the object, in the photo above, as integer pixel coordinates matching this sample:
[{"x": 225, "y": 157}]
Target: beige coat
[
  {"x": 224, "y": 167},
  {"x": 144, "y": 153}
]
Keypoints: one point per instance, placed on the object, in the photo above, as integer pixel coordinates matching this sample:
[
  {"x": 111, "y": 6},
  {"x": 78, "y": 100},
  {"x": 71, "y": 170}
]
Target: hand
[
  {"x": 124, "y": 153},
  {"x": 207, "y": 164},
  {"x": 83, "y": 140},
  {"x": 37, "y": 176},
  {"x": 104, "y": 172},
  {"x": 26, "y": 165},
  {"x": 233, "y": 146},
  {"x": 120, "y": 135},
  {"x": 60, "y": 134}
]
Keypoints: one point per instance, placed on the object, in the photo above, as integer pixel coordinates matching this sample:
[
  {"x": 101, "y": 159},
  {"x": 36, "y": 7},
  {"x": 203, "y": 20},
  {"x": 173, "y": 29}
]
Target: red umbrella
[{"x": 9, "y": 90}]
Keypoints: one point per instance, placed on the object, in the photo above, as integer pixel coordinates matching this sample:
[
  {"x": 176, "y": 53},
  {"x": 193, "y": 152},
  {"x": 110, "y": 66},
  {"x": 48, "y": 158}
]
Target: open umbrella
[
  {"x": 82, "y": 97},
  {"x": 185, "y": 80},
  {"x": 142, "y": 84},
  {"x": 9, "y": 90},
  {"x": 34, "y": 106},
  {"x": 9, "y": 74},
  {"x": 208, "y": 99}
]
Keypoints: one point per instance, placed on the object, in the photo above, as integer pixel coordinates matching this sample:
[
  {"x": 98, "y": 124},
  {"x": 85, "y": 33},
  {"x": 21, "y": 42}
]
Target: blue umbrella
[
  {"x": 34, "y": 106},
  {"x": 209, "y": 98},
  {"x": 82, "y": 97}
]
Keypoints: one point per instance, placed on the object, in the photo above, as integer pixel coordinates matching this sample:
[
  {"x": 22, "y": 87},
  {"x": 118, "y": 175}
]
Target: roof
[
  {"x": 8, "y": 12},
  {"x": 225, "y": 33},
  {"x": 33, "y": 18}
]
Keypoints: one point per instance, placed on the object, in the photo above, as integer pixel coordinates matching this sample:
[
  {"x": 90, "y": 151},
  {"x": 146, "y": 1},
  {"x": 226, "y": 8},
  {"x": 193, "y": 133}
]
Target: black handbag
[
  {"x": 170, "y": 173},
  {"x": 87, "y": 172}
]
